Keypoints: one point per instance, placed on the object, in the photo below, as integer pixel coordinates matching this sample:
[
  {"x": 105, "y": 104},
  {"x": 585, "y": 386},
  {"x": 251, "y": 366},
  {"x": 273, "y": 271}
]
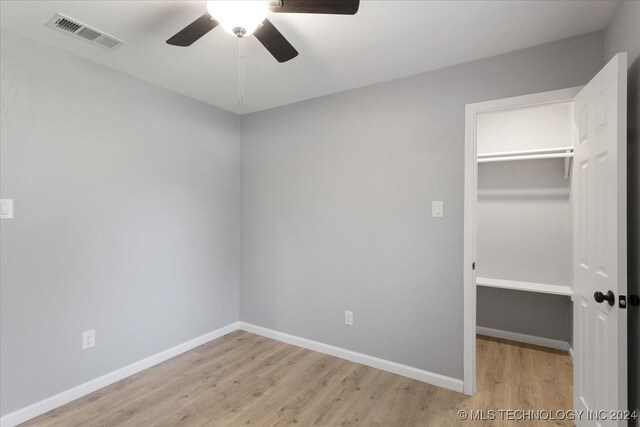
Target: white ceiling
[{"x": 384, "y": 41}]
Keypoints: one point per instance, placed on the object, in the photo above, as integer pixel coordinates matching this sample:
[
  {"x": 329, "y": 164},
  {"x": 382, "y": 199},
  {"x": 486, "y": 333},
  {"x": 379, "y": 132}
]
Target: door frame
[{"x": 470, "y": 199}]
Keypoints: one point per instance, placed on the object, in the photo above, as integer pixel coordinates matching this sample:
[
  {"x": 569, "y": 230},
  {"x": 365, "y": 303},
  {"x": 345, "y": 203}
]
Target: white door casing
[
  {"x": 600, "y": 246},
  {"x": 470, "y": 197},
  {"x": 600, "y": 251}
]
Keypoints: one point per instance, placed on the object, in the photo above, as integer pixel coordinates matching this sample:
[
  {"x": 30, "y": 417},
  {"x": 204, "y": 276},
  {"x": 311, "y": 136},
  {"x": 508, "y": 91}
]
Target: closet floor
[{"x": 245, "y": 379}]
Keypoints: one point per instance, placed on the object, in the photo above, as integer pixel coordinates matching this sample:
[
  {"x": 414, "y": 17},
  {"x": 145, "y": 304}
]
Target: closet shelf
[
  {"x": 541, "y": 288},
  {"x": 549, "y": 153}
]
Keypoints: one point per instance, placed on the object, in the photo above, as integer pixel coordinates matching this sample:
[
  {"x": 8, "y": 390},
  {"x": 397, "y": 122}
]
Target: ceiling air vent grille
[
  {"x": 108, "y": 42},
  {"x": 66, "y": 25},
  {"x": 83, "y": 32}
]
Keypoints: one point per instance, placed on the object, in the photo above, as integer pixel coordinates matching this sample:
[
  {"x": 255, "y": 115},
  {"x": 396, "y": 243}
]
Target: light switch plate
[
  {"x": 6, "y": 208},
  {"x": 437, "y": 209}
]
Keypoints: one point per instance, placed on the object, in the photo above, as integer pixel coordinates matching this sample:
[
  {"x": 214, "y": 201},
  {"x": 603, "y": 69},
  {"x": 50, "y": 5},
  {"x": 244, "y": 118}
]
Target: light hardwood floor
[{"x": 245, "y": 379}]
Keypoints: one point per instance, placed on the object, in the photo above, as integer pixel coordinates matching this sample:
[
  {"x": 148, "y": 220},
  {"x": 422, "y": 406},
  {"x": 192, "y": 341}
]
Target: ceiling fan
[{"x": 245, "y": 17}]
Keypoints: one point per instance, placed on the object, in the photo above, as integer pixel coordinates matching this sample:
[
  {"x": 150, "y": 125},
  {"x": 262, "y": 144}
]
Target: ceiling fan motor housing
[{"x": 239, "y": 32}]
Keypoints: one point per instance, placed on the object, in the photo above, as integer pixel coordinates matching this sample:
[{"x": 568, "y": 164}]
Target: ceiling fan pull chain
[{"x": 241, "y": 72}]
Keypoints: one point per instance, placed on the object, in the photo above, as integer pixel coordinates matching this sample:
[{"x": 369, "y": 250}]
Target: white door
[{"x": 599, "y": 195}]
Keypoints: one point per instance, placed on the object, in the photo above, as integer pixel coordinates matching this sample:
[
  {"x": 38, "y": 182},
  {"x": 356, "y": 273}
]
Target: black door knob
[{"x": 609, "y": 297}]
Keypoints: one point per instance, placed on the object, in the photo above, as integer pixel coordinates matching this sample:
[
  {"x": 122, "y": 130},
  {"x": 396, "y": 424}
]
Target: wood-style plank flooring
[{"x": 246, "y": 379}]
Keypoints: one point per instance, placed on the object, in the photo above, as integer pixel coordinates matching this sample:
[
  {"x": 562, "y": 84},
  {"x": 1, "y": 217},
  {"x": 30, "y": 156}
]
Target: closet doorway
[{"x": 545, "y": 230}]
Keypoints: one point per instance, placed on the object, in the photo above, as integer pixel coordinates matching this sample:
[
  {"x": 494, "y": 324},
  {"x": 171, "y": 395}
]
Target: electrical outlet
[
  {"x": 437, "y": 209},
  {"x": 348, "y": 318},
  {"x": 88, "y": 339},
  {"x": 7, "y": 208}
]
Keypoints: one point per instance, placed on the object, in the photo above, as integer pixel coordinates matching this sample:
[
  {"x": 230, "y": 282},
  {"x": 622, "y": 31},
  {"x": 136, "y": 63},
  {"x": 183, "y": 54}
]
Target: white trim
[
  {"x": 523, "y": 338},
  {"x": 21, "y": 415},
  {"x": 364, "y": 359},
  {"x": 469, "y": 252},
  {"x": 572, "y": 354},
  {"x": 524, "y": 101},
  {"x": 470, "y": 197},
  {"x": 46, "y": 405}
]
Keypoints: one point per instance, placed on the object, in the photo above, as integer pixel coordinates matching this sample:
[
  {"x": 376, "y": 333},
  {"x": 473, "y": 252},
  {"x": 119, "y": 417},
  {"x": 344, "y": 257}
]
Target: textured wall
[
  {"x": 524, "y": 233},
  {"x": 126, "y": 220},
  {"x": 529, "y": 313},
  {"x": 336, "y": 205},
  {"x": 524, "y": 222}
]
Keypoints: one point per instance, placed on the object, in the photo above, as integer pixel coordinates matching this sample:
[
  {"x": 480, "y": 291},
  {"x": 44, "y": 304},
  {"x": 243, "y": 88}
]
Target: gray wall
[
  {"x": 524, "y": 222},
  {"x": 529, "y": 313},
  {"x": 126, "y": 220},
  {"x": 524, "y": 233},
  {"x": 336, "y": 197},
  {"x": 623, "y": 35}
]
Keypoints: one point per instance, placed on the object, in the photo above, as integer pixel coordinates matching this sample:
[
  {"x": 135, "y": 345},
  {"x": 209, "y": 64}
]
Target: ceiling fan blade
[
  {"x": 192, "y": 32},
  {"x": 335, "y": 7},
  {"x": 275, "y": 42}
]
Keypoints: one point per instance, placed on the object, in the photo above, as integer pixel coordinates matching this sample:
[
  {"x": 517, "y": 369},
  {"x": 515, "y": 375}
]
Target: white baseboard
[
  {"x": 21, "y": 415},
  {"x": 39, "y": 408},
  {"x": 523, "y": 338},
  {"x": 374, "y": 362}
]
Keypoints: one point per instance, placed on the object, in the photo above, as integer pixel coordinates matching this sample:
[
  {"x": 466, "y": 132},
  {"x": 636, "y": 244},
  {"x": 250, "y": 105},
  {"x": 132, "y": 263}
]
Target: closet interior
[{"x": 524, "y": 224}]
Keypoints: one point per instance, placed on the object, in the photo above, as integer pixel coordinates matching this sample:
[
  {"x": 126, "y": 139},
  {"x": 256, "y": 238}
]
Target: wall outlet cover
[
  {"x": 348, "y": 318},
  {"x": 6, "y": 211},
  {"x": 437, "y": 209},
  {"x": 88, "y": 339}
]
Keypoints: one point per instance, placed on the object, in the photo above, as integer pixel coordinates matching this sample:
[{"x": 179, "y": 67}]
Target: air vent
[
  {"x": 88, "y": 34},
  {"x": 66, "y": 25},
  {"x": 83, "y": 32}
]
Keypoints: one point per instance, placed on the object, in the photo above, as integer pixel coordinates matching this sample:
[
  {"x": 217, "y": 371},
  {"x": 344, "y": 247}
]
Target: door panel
[
  {"x": 582, "y": 220},
  {"x": 599, "y": 209}
]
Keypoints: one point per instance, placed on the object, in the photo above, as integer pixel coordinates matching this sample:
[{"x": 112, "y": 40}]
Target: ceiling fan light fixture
[{"x": 239, "y": 17}]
